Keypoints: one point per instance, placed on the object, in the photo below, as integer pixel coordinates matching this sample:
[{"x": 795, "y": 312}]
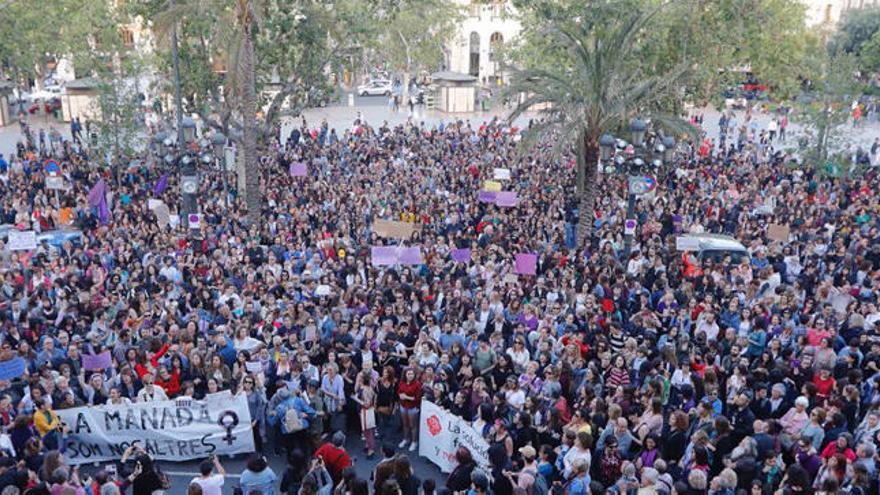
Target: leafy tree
[
  {"x": 858, "y": 34},
  {"x": 411, "y": 35},
  {"x": 592, "y": 81}
]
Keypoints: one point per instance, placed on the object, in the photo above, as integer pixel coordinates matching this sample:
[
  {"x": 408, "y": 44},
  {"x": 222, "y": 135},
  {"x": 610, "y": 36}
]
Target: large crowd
[{"x": 600, "y": 374}]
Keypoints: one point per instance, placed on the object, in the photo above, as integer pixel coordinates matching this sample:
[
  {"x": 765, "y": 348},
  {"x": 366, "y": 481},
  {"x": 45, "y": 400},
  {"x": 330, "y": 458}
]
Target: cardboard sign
[
  {"x": 526, "y": 263},
  {"x": 394, "y": 230},
  {"x": 410, "y": 256},
  {"x": 97, "y": 362},
  {"x": 501, "y": 174},
  {"x": 461, "y": 255},
  {"x": 55, "y": 183},
  {"x": 510, "y": 278},
  {"x": 779, "y": 233},
  {"x": 492, "y": 186},
  {"x": 163, "y": 215},
  {"x": 506, "y": 198},
  {"x": 298, "y": 169},
  {"x": 383, "y": 255},
  {"x": 21, "y": 240},
  {"x": 487, "y": 196}
]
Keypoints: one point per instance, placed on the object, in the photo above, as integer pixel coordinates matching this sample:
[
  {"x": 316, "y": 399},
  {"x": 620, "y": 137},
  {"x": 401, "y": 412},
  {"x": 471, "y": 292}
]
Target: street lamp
[
  {"x": 633, "y": 160},
  {"x": 189, "y": 129},
  {"x": 637, "y": 128},
  {"x": 219, "y": 142}
]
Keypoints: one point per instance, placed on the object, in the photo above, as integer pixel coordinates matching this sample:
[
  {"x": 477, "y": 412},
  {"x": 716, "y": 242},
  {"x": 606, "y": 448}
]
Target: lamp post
[
  {"x": 189, "y": 130},
  {"x": 634, "y": 160},
  {"x": 189, "y": 187},
  {"x": 219, "y": 142},
  {"x": 175, "y": 61}
]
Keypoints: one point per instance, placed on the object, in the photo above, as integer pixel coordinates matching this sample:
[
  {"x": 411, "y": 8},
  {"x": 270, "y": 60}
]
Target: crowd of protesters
[{"x": 602, "y": 373}]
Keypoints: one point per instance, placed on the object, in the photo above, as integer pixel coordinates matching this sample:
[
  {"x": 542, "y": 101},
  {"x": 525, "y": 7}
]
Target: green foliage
[
  {"x": 859, "y": 34},
  {"x": 410, "y": 35},
  {"x": 826, "y": 108}
]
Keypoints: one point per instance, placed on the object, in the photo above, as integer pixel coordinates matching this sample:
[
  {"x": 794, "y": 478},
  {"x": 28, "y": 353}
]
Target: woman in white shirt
[{"x": 519, "y": 355}]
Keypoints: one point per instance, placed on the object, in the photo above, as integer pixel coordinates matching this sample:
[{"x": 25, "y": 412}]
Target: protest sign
[
  {"x": 253, "y": 366},
  {"x": 777, "y": 232},
  {"x": 163, "y": 215},
  {"x": 298, "y": 169},
  {"x": 383, "y": 255},
  {"x": 687, "y": 243},
  {"x": 394, "y": 230},
  {"x": 21, "y": 240},
  {"x": 510, "y": 278},
  {"x": 322, "y": 290},
  {"x": 491, "y": 185},
  {"x": 487, "y": 196},
  {"x": 461, "y": 255},
  {"x": 13, "y": 368},
  {"x": 410, "y": 256},
  {"x": 526, "y": 263},
  {"x": 441, "y": 433},
  {"x": 54, "y": 183},
  {"x": 506, "y": 198},
  {"x": 166, "y": 430},
  {"x": 97, "y": 362},
  {"x": 153, "y": 203},
  {"x": 501, "y": 174}
]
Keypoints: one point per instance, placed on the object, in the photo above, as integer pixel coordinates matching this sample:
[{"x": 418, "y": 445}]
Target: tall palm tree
[
  {"x": 235, "y": 30},
  {"x": 589, "y": 80}
]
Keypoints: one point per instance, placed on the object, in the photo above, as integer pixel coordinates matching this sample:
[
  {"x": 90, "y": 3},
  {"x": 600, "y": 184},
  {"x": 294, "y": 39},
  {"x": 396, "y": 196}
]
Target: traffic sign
[
  {"x": 54, "y": 182},
  {"x": 51, "y": 167},
  {"x": 642, "y": 184}
]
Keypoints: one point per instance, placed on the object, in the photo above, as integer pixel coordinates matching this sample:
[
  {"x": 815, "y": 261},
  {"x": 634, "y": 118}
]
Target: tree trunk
[
  {"x": 587, "y": 178},
  {"x": 248, "y": 96}
]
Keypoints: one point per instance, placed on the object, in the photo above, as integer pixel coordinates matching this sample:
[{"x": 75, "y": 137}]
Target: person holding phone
[{"x": 210, "y": 482}]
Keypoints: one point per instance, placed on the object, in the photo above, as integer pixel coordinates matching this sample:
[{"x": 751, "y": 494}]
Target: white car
[{"x": 375, "y": 88}]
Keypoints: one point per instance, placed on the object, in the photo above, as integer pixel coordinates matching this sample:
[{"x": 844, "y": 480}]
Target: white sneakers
[
  {"x": 413, "y": 446},
  {"x": 402, "y": 444}
]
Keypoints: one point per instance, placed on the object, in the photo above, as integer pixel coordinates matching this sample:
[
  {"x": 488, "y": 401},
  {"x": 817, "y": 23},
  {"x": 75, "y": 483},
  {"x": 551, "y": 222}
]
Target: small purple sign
[
  {"x": 461, "y": 255},
  {"x": 526, "y": 263},
  {"x": 506, "y": 198},
  {"x": 487, "y": 197},
  {"x": 298, "y": 169}
]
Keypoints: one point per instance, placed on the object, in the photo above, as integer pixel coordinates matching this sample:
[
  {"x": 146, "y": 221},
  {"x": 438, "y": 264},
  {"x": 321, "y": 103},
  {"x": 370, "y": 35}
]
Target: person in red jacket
[
  {"x": 148, "y": 362},
  {"x": 168, "y": 381},
  {"x": 824, "y": 383},
  {"x": 334, "y": 456},
  {"x": 409, "y": 391}
]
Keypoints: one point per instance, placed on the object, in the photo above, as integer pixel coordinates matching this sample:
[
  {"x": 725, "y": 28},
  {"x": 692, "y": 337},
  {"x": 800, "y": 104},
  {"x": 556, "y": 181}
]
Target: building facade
[
  {"x": 827, "y": 13},
  {"x": 486, "y": 28}
]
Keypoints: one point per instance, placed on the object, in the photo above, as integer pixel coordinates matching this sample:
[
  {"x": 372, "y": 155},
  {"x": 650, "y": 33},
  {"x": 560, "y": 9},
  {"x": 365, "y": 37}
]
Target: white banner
[
  {"x": 441, "y": 433},
  {"x": 167, "y": 430},
  {"x": 22, "y": 240}
]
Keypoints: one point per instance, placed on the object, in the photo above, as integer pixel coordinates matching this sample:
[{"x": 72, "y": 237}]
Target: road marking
[{"x": 195, "y": 475}]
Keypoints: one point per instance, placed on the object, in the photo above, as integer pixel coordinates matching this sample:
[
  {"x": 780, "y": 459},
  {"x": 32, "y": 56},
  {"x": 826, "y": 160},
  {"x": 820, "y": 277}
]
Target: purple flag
[
  {"x": 383, "y": 255},
  {"x": 506, "y": 198},
  {"x": 461, "y": 255},
  {"x": 161, "y": 185},
  {"x": 298, "y": 169},
  {"x": 411, "y": 256},
  {"x": 98, "y": 193},
  {"x": 97, "y": 362},
  {"x": 487, "y": 197},
  {"x": 526, "y": 263},
  {"x": 98, "y": 199}
]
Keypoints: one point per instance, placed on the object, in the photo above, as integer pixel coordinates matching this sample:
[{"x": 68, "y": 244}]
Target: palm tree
[
  {"x": 588, "y": 81},
  {"x": 235, "y": 29}
]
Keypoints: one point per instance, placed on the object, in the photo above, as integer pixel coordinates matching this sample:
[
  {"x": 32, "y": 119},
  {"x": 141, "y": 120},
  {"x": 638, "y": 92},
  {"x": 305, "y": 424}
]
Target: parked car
[{"x": 375, "y": 88}]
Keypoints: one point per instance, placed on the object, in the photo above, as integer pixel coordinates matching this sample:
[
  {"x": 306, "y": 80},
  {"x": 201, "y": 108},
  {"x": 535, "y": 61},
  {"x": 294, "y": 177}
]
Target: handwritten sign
[
  {"x": 253, "y": 366},
  {"x": 487, "y": 196},
  {"x": 97, "y": 362},
  {"x": 22, "y": 240},
  {"x": 410, "y": 256},
  {"x": 779, "y": 233},
  {"x": 491, "y": 185},
  {"x": 501, "y": 174},
  {"x": 383, "y": 255}
]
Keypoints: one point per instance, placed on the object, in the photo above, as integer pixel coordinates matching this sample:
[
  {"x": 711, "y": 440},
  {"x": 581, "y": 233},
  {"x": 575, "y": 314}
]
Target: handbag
[{"x": 368, "y": 418}]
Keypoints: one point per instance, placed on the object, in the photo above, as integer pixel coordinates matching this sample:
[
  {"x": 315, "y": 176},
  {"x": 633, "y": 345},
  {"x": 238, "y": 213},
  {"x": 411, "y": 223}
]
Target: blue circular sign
[{"x": 51, "y": 167}]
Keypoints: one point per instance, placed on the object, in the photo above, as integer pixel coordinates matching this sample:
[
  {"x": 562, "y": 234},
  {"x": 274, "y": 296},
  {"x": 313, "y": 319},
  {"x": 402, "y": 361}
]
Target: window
[
  {"x": 474, "y": 67},
  {"x": 495, "y": 43},
  {"x": 127, "y": 37}
]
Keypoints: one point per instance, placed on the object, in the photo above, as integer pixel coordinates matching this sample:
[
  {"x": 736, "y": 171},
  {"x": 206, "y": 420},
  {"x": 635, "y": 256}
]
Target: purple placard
[
  {"x": 461, "y": 255},
  {"x": 506, "y": 198},
  {"x": 410, "y": 256},
  {"x": 97, "y": 362},
  {"x": 298, "y": 169},
  {"x": 383, "y": 255},
  {"x": 487, "y": 197},
  {"x": 526, "y": 263}
]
